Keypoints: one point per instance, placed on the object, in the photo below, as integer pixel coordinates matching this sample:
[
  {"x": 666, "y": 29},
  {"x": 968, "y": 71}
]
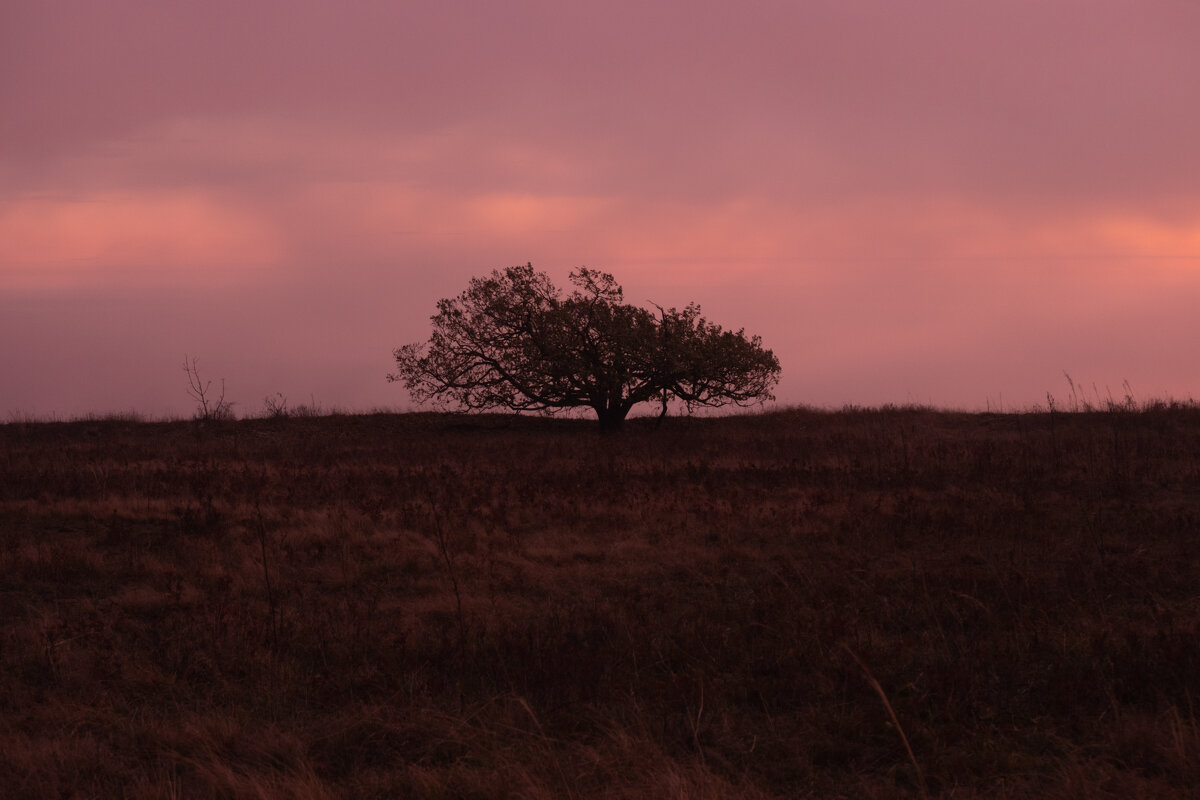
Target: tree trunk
[
  {"x": 663, "y": 415},
  {"x": 611, "y": 419}
]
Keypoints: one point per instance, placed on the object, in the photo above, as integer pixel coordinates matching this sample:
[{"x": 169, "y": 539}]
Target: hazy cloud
[{"x": 927, "y": 200}]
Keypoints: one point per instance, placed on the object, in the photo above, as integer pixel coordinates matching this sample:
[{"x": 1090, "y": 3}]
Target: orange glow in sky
[
  {"x": 59, "y": 243},
  {"x": 932, "y": 202}
]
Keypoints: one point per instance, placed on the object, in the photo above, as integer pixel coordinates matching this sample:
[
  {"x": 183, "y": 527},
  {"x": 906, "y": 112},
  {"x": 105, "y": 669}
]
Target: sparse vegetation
[
  {"x": 210, "y": 405},
  {"x": 275, "y": 405},
  {"x": 867, "y": 603}
]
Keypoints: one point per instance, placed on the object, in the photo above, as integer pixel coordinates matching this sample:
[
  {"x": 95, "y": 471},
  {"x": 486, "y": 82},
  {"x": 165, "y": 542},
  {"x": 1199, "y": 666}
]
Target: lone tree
[{"x": 513, "y": 341}]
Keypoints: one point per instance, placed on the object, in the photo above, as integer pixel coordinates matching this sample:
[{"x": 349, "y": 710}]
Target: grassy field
[{"x": 860, "y": 604}]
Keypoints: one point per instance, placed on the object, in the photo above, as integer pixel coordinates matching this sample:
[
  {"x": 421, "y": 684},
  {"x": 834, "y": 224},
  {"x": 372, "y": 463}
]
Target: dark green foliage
[{"x": 512, "y": 341}]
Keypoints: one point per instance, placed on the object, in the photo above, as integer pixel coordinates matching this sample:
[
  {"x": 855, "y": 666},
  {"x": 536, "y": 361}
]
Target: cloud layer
[{"x": 926, "y": 201}]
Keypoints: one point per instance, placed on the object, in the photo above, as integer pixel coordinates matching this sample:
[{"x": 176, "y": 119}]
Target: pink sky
[{"x": 926, "y": 201}]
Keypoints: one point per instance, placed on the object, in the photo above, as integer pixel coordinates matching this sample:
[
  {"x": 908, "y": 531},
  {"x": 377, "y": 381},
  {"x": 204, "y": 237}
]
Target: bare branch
[{"x": 207, "y": 407}]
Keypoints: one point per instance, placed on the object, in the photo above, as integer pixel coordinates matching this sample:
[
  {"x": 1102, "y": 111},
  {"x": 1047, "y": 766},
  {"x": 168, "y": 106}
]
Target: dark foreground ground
[{"x": 802, "y": 604}]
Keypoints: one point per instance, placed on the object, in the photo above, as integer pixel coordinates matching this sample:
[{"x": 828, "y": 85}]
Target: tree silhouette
[{"x": 511, "y": 340}]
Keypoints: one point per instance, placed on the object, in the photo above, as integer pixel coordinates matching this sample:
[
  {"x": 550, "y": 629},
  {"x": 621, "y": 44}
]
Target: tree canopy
[{"x": 512, "y": 340}]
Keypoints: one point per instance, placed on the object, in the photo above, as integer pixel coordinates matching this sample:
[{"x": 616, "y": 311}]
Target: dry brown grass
[{"x": 799, "y": 604}]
